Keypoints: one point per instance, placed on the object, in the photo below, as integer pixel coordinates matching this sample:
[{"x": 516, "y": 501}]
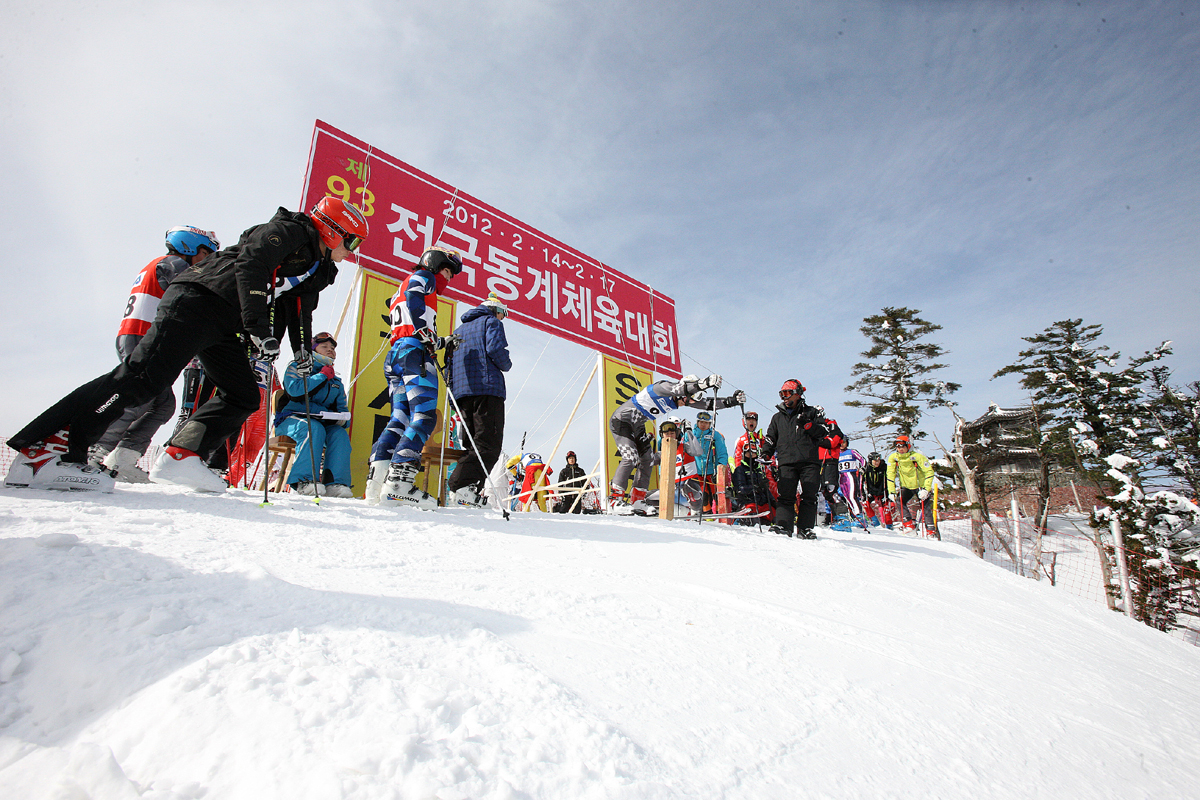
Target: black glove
[
  {"x": 453, "y": 340},
  {"x": 304, "y": 362},
  {"x": 266, "y": 348},
  {"x": 736, "y": 399}
]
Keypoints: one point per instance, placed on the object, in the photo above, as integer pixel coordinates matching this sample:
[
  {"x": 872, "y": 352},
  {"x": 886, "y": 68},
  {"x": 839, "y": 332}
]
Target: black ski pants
[
  {"x": 483, "y": 416},
  {"x": 806, "y": 476},
  {"x": 190, "y": 321}
]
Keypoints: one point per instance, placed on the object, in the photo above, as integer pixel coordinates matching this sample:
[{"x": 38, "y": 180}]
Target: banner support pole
[{"x": 542, "y": 475}]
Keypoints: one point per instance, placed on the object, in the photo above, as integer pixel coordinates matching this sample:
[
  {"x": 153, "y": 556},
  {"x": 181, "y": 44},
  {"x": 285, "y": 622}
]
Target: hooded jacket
[
  {"x": 278, "y": 263},
  {"x": 478, "y": 363}
]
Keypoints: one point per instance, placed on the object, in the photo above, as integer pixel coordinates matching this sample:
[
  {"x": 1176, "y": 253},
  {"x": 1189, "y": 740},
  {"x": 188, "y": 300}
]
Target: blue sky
[{"x": 781, "y": 169}]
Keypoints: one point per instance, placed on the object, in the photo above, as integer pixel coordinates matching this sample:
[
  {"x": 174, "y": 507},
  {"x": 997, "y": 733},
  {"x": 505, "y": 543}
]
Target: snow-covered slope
[{"x": 159, "y": 644}]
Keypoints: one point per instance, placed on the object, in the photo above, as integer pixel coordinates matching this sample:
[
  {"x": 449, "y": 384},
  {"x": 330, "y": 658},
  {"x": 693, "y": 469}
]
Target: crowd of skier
[{"x": 220, "y": 314}]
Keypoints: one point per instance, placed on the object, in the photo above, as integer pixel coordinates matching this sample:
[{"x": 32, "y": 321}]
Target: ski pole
[
  {"x": 471, "y": 437},
  {"x": 312, "y": 450},
  {"x": 267, "y": 432},
  {"x": 708, "y": 462}
]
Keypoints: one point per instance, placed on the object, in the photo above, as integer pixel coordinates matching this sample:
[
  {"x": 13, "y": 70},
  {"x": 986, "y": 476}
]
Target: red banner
[{"x": 544, "y": 283}]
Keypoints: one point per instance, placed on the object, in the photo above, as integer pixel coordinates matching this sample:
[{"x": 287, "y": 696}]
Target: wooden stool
[
  {"x": 277, "y": 447},
  {"x": 435, "y": 456}
]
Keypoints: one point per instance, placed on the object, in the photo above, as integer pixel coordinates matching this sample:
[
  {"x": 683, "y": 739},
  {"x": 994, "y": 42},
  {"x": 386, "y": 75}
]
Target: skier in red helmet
[
  {"x": 282, "y": 266},
  {"x": 794, "y": 437}
]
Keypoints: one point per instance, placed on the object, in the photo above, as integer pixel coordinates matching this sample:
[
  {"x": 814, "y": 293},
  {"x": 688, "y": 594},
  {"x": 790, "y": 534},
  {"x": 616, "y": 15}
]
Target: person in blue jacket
[
  {"x": 708, "y": 446},
  {"x": 475, "y": 373},
  {"x": 326, "y": 394}
]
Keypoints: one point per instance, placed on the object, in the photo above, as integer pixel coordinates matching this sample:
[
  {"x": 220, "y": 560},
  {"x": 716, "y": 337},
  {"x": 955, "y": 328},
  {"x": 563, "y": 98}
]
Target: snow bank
[{"x": 156, "y": 644}]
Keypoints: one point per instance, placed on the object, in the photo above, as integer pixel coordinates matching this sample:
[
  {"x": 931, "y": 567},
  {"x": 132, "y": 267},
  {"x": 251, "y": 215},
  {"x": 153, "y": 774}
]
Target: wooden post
[
  {"x": 722, "y": 501},
  {"x": 350, "y": 296},
  {"x": 666, "y": 478},
  {"x": 1014, "y": 515}
]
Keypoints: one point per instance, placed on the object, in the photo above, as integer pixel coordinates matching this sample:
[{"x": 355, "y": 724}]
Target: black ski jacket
[
  {"x": 575, "y": 475},
  {"x": 875, "y": 479},
  {"x": 250, "y": 276},
  {"x": 793, "y": 434}
]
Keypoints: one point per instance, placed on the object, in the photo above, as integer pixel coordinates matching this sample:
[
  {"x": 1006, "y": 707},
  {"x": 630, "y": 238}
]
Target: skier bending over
[
  {"x": 636, "y": 445},
  {"x": 236, "y": 292}
]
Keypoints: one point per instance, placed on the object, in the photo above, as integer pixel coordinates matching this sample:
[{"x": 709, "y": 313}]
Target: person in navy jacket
[{"x": 475, "y": 373}]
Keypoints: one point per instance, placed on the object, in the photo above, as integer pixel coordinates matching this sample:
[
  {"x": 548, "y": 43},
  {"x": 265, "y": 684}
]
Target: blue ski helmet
[{"x": 186, "y": 240}]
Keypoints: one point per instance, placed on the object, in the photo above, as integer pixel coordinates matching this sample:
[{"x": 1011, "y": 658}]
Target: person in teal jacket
[
  {"x": 326, "y": 395},
  {"x": 707, "y": 445}
]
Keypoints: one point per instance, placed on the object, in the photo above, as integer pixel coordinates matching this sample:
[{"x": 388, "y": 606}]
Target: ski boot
[
  {"x": 400, "y": 488},
  {"x": 376, "y": 475},
  {"x": 637, "y": 502},
  {"x": 467, "y": 497},
  {"x": 184, "y": 467},
  {"x": 40, "y": 466},
  {"x": 123, "y": 462}
]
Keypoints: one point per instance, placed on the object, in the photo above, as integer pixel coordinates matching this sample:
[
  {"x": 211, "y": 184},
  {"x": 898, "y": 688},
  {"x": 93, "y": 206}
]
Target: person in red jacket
[{"x": 127, "y": 438}]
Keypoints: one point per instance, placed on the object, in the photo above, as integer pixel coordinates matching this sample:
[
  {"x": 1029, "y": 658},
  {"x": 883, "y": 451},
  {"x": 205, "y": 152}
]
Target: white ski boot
[
  {"x": 54, "y": 473},
  {"x": 376, "y": 475},
  {"x": 40, "y": 466},
  {"x": 400, "y": 488},
  {"x": 185, "y": 468},
  {"x": 467, "y": 497},
  {"x": 338, "y": 490},
  {"x": 124, "y": 462}
]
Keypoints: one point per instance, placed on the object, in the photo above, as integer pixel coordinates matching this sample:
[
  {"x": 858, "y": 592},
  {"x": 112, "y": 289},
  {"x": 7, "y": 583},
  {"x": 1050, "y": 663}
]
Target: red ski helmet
[
  {"x": 903, "y": 440},
  {"x": 339, "y": 223},
  {"x": 750, "y": 421},
  {"x": 790, "y": 387}
]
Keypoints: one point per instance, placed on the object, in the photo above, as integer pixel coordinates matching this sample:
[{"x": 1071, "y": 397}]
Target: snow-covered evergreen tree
[
  {"x": 894, "y": 378},
  {"x": 1177, "y": 412},
  {"x": 1099, "y": 417}
]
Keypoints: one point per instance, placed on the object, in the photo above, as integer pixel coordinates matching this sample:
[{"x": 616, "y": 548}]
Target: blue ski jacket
[
  {"x": 708, "y": 447},
  {"x": 324, "y": 394},
  {"x": 478, "y": 363}
]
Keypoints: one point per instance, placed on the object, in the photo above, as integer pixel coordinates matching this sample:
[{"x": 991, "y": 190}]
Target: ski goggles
[
  {"x": 322, "y": 338},
  {"x": 784, "y": 394},
  {"x": 752, "y": 415},
  {"x": 704, "y": 416},
  {"x": 351, "y": 242}
]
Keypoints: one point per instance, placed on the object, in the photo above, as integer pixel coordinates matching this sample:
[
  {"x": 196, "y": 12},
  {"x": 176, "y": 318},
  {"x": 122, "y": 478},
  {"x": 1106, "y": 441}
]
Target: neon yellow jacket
[{"x": 914, "y": 470}]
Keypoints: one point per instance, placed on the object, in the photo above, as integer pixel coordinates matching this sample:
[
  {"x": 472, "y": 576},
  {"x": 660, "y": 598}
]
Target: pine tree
[
  {"x": 1099, "y": 417},
  {"x": 1177, "y": 412},
  {"x": 1089, "y": 407},
  {"x": 894, "y": 378}
]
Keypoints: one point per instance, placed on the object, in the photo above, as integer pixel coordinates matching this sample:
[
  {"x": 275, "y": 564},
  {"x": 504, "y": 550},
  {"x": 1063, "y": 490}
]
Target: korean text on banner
[
  {"x": 544, "y": 283},
  {"x": 370, "y": 403},
  {"x": 621, "y": 382}
]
